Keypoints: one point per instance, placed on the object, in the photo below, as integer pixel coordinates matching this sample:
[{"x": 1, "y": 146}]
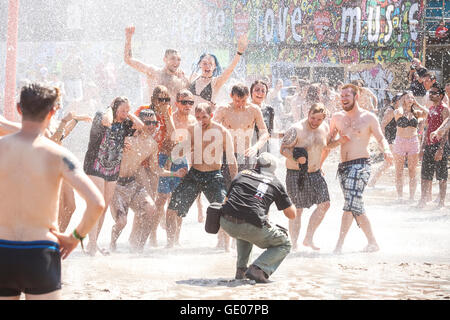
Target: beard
[{"x": 348, "y": 107}]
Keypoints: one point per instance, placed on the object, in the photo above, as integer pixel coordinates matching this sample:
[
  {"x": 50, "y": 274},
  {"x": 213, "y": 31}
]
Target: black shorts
[
  {"x": 29, "y": 267},
  {"x": 313, "y": 191},
  {"x": 211, "y": 183},
  {"x": 430, "y": 166}
]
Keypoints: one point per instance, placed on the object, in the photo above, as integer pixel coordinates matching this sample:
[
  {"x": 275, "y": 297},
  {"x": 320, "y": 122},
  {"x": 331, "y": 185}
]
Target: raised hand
[
  {"x": 242, "y": 43},
  {"x": 129, "y": 31}
]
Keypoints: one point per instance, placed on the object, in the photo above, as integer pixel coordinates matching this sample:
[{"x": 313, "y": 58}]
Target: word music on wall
[{"x": 326, "y": 31}]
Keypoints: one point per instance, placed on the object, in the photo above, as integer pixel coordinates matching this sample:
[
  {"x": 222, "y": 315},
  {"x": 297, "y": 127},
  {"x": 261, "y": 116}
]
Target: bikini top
[
  {"x": 206, "y": 92},
  {"x": 404, "y": 122}
]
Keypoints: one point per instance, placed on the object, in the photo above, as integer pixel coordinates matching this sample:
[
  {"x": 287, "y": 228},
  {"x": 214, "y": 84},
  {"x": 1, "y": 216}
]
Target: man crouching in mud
[
  {"x": 244, "y": 217},
  {"x": 32, "y": 169},
  {"x": 355, "y": 127}
]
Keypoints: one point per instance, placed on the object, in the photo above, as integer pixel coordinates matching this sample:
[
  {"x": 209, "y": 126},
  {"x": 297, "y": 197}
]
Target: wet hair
[
  {"x": 440, "y": 89},
  {"x": 352, "y": 86},
  {"x": 429, "y": 75},
  {"x": 116, "y": 104},
  {"x": 312, "y": 94},
  {"x": 240, "y": 90},
  {"x": 158, "y": 90},
  {"x": 184, "y": 93},
  {"x": 217, "y": 71},
  {"x": 254, "y": 84},
  {"x": 37, "y": 100},
  {"x": 169, "y": 52},
  {"x": 146, "y": 113},
  {"x": 318, "y": 108},
  {"x": 206, "y": 107}
]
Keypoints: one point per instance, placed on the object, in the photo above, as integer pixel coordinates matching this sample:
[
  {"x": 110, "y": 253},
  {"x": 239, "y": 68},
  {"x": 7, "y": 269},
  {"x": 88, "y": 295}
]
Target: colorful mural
[{"x": 319, "y": 31}]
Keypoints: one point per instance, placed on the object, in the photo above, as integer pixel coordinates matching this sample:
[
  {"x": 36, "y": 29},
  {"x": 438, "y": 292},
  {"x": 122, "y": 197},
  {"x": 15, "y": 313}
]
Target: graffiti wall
[{"x": 327, "y": 31}]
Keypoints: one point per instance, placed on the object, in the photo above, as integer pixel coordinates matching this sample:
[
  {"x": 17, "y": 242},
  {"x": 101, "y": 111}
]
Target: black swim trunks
[
  {"x": 211, "y": 183},
  {"x": 30, "y": 267}
]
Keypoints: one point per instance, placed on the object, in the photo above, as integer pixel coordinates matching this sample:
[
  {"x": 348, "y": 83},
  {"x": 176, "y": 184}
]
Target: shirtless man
[
  {"x": 32, "y": 169},
  {"x": 367, "y": 100},
  {"x": 305, "y": 183},
  {"x": 129, "y": 192},
  {"x": 207, "y": 142},
  {"x": 182, "y": 119},
  {"x": 355, "y": 127},
  {"x": 240, "y": 119},
  {"x": 171, "y": 76}
]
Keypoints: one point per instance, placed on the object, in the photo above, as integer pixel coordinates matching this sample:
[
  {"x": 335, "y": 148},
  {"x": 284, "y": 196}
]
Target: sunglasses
[
  {"x": 187, "y": 102},
  {"x": 164, "y": 100},
  {"x": 434, "y": 93},
  {"x": 150, "y": 123}
]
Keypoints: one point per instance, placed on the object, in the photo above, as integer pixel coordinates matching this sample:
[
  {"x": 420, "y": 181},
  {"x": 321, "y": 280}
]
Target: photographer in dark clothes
[{"x": 244, "y": 217}]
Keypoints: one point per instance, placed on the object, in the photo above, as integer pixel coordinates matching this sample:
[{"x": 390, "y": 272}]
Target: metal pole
[{"x": 11, "y": 58}]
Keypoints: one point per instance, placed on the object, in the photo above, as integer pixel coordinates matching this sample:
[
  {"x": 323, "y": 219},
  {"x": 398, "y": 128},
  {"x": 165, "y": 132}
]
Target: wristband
[
  {"x": 78, "y": 237},
  {"x": 239, "y": 53}
]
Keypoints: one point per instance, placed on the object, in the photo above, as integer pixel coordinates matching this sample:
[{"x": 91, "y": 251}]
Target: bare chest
[{"x": 236, "y": 120}]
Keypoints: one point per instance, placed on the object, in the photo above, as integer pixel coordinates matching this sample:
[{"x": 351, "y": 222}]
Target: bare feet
[
  {"x": 371, "y": 248},
  {"x": 310, "y": 244},
  {"x": 337, "y": 250},
  {"x": 91, "y": 249},
  {"x": 112, "y": 247},
  {"x": 153, "y": 242}
]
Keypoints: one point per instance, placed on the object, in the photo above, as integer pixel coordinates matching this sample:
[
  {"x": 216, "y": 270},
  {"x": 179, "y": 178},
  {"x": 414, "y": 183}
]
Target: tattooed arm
[
  {"x": 288, "y": 143},
  {"x": 72, "y": 172}
]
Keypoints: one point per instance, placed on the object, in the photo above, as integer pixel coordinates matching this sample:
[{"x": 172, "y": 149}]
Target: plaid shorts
[
  {"x": 313, "y": 191},
  {"x": 353, "y": 177}
]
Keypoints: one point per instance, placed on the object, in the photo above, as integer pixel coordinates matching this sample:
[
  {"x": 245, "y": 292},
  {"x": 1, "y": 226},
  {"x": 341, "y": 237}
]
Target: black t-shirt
[
  {"x": 251, "y": 195},
  {"x": 105, "y": 148}
]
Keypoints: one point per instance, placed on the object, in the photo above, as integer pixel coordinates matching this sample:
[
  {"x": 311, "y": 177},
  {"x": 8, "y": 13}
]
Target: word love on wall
[{"x": 332, "y": 31}]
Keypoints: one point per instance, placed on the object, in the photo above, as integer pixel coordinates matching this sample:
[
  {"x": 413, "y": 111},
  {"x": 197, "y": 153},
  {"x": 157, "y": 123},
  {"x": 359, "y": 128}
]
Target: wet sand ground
[{"x": 413, "y": 263}]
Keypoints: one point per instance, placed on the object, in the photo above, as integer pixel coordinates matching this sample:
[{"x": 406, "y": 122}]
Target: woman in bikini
[
  {"x": 406, "y": 145},
  {"x": 206, "y": 86}
]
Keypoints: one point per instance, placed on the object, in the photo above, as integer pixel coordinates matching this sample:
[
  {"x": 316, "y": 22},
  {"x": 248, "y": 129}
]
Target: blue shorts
[
  {"x": 30, "y": 267},
  {"x": 168, "y": 184}
]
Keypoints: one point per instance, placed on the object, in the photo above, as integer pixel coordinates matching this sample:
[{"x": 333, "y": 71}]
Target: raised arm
[
  {"x": 128, "y": 55},
  {"x": 242, "y": 46}
]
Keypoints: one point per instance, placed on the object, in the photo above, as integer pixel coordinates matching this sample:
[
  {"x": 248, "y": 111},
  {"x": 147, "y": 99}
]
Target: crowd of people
[{"x": 159, "y": 159}]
